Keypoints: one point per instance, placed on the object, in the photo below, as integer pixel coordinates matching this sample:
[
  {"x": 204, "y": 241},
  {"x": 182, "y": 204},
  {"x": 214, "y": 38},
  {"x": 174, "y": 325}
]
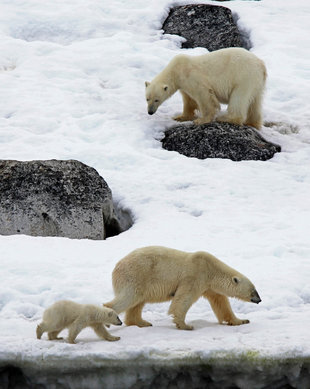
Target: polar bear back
[
  {"x": 62, "y": 313},
  {"x": 158, "y": 270},
  {"x": 224, "y": 69}
]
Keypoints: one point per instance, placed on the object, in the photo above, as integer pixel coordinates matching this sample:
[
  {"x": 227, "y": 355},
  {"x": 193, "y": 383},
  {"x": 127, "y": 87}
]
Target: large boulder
[
  {"x": 203, "y": 25},
  {"x": 57, "y": 198},
  {"x": 219, "y": 140}
]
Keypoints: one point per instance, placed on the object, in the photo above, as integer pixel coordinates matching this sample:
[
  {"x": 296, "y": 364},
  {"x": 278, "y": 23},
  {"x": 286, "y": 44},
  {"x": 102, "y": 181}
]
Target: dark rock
[
  {"x": 219, "y": 140},
  {"x": 220, "y": 370},
  {"x": 209, "y": 26},
  {"x": 57, "y": 198}
]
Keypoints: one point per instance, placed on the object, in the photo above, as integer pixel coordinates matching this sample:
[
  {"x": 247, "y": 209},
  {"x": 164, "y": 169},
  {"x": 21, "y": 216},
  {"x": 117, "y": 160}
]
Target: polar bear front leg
[
  {"x": 103, "y": 333},
  {"x": 189, "y": 107},
  {"x": 222, "y": 309},
  {"x": 208, "y": 106},
  {"x": 183, "y": 299}
]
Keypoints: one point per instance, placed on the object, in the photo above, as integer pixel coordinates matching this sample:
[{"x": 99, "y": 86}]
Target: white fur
[
  {"x": 155, "y": 274},
  {"x": 75, "y": 317},
  {"x": 232, "y": 76}
]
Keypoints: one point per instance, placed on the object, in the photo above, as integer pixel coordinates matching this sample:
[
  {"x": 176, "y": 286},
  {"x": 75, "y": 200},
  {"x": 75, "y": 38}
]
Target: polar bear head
[
  {"x": 110, "y": 317},
  {"x": 155, "y": 95},
  {"x": 242, "y": 288}
]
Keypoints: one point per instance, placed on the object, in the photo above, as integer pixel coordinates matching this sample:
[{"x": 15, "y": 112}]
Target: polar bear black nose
[
  {"x": 255, "y": 298},
  {"x": 150, "y": 112}
]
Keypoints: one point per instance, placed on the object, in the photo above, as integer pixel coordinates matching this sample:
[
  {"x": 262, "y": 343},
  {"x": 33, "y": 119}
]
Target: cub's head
[
  {"x": 155, "y": 95},
  {"x": 112, "y": 317},
  {"x": 243, "y": 289}
]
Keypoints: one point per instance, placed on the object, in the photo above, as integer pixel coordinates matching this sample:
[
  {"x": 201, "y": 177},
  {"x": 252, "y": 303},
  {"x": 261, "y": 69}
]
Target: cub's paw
[
  {"x": 237, "y": 322},
  {"x": 113, "y": 338}
]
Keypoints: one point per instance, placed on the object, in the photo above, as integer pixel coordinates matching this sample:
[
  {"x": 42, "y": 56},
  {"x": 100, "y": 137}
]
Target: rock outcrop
[
  {"x": 57, "y": 198},
  {"x": 219, "y": 140},
  {"x": 203, "y": 25}
]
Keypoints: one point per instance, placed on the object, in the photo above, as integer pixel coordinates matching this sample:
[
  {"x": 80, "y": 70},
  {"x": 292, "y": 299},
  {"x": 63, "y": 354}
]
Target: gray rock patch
[
  {"x": 57, "y": 198},
  {"x": 219, "y": 140},
  {"x": 209, "y": 26}
]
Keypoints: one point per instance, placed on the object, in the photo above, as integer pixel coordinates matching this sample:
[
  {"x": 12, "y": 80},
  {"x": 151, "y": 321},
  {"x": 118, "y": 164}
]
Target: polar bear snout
[
  {"x": 255, "y": 297},
  {"x": 151, "y": 112},
  {"x": 118, "y": 322}
]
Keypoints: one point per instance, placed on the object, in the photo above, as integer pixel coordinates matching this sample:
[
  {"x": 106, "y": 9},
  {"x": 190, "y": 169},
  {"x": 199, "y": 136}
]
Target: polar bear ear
[
  {"x": 110, "y": 314},
  {"x": 147, "y": 84},
  {"x": 165, "y": 88},
  {"x": 236, "y": 280}
]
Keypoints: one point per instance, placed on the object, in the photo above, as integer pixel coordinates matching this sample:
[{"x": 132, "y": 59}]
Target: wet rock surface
[
  {"x": 234, "y": 372},
  {"x": 57, "y": 198},
  {"x": 219, "y": 140},
  {"x": 209, "y": 26}
]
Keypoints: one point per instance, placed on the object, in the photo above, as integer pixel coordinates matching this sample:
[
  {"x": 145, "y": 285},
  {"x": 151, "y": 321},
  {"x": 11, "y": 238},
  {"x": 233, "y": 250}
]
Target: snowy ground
[{"x": 72, "y": 87}]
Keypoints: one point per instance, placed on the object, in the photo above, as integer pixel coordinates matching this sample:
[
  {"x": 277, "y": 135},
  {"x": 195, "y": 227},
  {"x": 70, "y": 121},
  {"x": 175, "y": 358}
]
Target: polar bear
[
  {"x": 155, "y": 274},
  {"x": 75, "y": 317},
  {"x": 232, "y": 76}
]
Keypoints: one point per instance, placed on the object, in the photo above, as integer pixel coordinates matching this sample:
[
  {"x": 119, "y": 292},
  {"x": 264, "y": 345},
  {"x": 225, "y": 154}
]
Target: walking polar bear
[
  {"x": 68, "y": 314},
  {"x": 232, "y": 76},
  {"x": 156, "y": 274}
]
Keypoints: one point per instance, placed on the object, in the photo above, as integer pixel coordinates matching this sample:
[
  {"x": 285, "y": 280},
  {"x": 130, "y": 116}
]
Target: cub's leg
[
  {"x": 222, "y": 309},
  {"x": 103, "y": 333},
  {"x": 189, "y": 106},
  {"x": 53, "y": 335},
  {"x": 41, "y": 328},
  {"x": 183, "y": 299},
  {"x": 74, "y": 329},
  {"x": 133, "y": 316}
]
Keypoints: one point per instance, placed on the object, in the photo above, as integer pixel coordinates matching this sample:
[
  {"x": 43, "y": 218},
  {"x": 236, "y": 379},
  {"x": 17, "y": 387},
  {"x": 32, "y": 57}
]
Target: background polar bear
[
  {"x": 68, "y": 314},
  {"x": 232, "y": 76},
  {"x": 155, "y": 274}
]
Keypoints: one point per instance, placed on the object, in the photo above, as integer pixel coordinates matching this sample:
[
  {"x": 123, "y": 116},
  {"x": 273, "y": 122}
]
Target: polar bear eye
[
  {"x": 156, "y": 101},
  {"x": 236, "y": 281}
]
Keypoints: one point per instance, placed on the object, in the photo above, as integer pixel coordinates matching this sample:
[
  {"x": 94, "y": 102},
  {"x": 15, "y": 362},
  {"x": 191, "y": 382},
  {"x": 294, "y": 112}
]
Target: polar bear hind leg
[
  {"x": 53, "y": 335},
  {"x": 238, "y": 106},
  {"x": 40, "y": 330},
  {"x": 133, "y": 316},
  {"x": 254, "y": 118},
  {"x": 75, "y": 328}
]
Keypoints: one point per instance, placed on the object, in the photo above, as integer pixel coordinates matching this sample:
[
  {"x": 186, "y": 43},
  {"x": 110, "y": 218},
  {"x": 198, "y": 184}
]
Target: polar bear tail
[{"x": 122, "y": 302}]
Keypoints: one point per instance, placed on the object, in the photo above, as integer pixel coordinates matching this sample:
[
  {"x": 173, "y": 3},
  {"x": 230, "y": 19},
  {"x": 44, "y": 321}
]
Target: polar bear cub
[
  {"x": 155, "y": 274},
  {"x": 74, "y": 316},
  {"x": 232, "y": 76}
]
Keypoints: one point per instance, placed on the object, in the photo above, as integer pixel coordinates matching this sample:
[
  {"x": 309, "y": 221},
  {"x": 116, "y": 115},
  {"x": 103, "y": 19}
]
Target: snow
[{"x": 72, "y": 87}]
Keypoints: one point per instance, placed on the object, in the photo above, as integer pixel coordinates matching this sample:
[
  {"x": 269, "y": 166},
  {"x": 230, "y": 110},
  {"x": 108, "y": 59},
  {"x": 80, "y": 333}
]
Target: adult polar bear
[
  {"x": 155, "y": 274},
  {"x": 232, "y": 76}
]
